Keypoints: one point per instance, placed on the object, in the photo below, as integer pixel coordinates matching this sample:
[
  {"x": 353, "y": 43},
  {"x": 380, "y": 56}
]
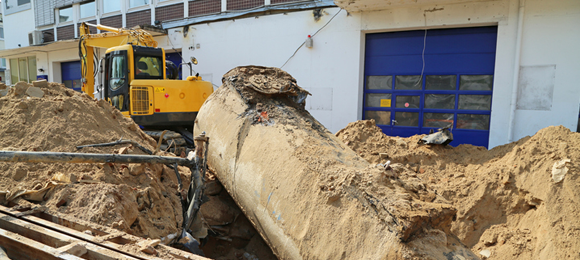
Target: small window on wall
[
  {"x": 1, "y": 33},
  {"x": 23, "y": 69},
  {"x": 135, "y": 3},
  {"x": 87, "y": 9},
  {"x": 111, "y": 6},
  {"x": 65, "y": 14},
  {"x": 13, "y": 6}
]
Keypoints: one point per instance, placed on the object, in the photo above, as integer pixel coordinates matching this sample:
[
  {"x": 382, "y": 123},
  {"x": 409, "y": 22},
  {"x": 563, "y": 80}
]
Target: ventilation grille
[{"x": 140, "y": 100}]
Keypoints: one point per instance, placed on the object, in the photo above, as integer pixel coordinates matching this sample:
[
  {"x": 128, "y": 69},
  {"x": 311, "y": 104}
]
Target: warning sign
[
  {"x": 163, "y": 90},
  {"x": 385, "y": 103}
]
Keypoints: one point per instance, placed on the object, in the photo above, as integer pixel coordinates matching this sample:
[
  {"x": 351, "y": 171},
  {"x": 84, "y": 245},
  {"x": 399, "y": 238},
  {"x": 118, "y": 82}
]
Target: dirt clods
[{"x": 508, "y": 205}]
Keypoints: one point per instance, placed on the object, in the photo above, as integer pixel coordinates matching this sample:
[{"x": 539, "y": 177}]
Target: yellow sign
[
  {"x": 159, "y": 89},
  {"x": 385, "y": 103}
]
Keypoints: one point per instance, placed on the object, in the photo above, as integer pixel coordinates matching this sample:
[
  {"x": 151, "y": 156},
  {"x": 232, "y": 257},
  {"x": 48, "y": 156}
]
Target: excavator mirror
[{"x": 194, "y": 60}]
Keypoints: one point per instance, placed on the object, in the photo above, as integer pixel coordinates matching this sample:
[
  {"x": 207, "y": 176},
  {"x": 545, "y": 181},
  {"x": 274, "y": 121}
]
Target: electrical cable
[
  {"x": 312, "y": 36},
  {"x": 423, "y": 53}
]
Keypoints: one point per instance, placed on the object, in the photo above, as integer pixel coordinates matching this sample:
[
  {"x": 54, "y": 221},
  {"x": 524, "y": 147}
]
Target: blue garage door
[
  {"x": 416, "y": 81},
  {"x": 71, "y": 75}
]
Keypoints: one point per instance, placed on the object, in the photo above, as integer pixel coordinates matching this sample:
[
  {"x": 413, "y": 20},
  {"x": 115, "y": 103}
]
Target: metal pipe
[
  {"x": 516, "y": 75},
  {"x": 104, "y": 27},
  {"x": 52, "y": 157}
]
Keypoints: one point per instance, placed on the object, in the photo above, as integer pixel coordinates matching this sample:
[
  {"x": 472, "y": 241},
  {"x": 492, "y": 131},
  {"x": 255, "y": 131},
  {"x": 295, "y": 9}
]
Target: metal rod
[
  {"x": 52, "y": 157},
  {"x": 120, "y": 141}
]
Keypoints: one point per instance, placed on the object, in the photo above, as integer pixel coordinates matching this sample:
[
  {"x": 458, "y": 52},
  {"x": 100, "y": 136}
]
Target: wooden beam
[
  {"x": 73, "y": 231},
  {"x": 21, "y": 247}
]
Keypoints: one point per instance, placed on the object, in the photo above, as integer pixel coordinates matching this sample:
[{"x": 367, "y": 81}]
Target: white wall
[
  {"x": 334, "y": 66},
  {"x": 17, "y": 26},
  {"x": 551, "y": 36},
  {"x": 329, "y": 70},
  {"x": 53, "y": 63}
]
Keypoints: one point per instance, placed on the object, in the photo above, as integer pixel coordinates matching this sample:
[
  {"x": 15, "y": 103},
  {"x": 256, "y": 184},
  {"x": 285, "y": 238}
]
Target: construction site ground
[{"x": 516, "y": 201}]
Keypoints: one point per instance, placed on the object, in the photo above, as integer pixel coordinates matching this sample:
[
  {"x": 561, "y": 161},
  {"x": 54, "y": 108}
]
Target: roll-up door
[{"x": 416, "y": 81}]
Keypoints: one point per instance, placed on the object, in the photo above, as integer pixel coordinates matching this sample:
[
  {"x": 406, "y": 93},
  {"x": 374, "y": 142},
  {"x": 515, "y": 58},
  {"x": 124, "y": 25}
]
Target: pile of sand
[
  {"x": 138, "y": 199},
  {"x": 509, "y": 206}
]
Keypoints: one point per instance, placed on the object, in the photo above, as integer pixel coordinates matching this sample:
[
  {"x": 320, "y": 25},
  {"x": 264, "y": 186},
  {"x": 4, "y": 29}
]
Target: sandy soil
[
  {"x": 508, "y": 205},
  {"x": 139, "y": 199}
]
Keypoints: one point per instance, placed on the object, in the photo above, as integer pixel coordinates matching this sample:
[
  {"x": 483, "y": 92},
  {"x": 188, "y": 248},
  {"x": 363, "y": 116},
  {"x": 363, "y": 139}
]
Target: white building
[
  {"x": 495, "y": 70},
  {"x": 2, "y": 61}
]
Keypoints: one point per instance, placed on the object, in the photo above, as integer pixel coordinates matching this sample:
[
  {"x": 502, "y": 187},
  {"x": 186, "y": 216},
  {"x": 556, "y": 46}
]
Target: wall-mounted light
[{"x": 308, "y": 43}]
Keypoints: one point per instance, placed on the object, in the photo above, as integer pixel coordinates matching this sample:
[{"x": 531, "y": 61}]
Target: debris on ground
[{"x": 508, "y": 205}]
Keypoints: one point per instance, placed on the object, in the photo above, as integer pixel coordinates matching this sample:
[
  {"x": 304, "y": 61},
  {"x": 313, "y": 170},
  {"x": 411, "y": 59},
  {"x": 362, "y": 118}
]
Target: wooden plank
[
  {"x": 114, "y": 240},
  {"x": 21, "y": 247},
  {"x": 76, "y": 249},
  {"x": 52, "y": 239},
  {"x": 40, "y": 234}
]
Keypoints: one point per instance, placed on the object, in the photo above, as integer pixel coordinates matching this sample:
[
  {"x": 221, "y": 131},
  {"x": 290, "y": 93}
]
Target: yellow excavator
[{"x": 136, "y": 79}]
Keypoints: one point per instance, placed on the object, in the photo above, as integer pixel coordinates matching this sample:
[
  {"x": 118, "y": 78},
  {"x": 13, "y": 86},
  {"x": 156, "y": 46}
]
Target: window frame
[
  {"x": 90, "y": 17},
  {"x": 17, "y": 8},
  {"x": 31, "y": 74},
  {"x": 71, "y": 17},
  {"x": 103, "y": 5},
  {"x": 138, "y": 7}
]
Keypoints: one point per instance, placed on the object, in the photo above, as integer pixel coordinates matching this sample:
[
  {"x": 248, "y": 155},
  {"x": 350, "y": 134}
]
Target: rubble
[{"x": 508, "y": 206}]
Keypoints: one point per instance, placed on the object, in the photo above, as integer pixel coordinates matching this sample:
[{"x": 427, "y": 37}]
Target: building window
[
  {"x": 87, "y": 9},
  {"x": 65, "y": 14},
  {"x": 23, "y": 69},
  {"x": 135, "y": 3},
  {"x": 1, "y": 32},
  {"x": 13, "y": 6},
  {"x": 111, "y": 6}
]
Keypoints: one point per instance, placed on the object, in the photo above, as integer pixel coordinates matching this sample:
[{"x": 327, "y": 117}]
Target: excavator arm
[{"x": 110, "y": 38}]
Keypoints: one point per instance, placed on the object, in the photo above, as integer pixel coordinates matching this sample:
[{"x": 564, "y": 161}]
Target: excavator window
[
  {"x": 117, "y": 78},
  {"x": 148, "y": 67}
]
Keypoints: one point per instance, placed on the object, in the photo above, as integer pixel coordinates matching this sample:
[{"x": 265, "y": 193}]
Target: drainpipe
[{"x": 516, "y": 75}]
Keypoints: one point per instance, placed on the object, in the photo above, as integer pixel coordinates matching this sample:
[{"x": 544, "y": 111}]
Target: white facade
[{"x": 333, "y": 69}]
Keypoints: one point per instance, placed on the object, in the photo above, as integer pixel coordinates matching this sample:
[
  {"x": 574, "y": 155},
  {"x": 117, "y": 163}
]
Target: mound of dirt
[
  {"x": 138, "y": 199},
  {"x": 509, "y": 206}
]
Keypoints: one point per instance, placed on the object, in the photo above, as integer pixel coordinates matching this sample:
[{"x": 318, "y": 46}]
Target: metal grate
[
  {"x": 202, "y": 7},
  {"x": 138, "y": 18},
  {"x": 169, "y": 12},
  {"x": 140, "y": 100},
  {"x": 244, "y": 4}
]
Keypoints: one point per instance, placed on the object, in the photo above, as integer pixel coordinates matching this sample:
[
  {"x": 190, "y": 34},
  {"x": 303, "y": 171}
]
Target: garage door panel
[
  {"x": 453, "y": 87},
  {"x": 412, "y": 64},
  {"x": 480, "y": 40}
]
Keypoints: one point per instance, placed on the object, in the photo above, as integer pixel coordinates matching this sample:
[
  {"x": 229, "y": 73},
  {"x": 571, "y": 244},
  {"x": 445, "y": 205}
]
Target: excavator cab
[{"x": 126, "y": 63}]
